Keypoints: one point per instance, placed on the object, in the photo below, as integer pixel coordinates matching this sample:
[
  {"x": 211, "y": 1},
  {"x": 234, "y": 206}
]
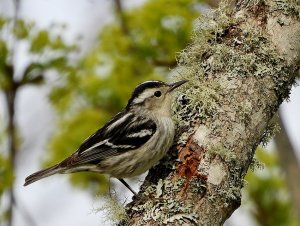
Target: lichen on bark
[{"x": 239, "y": 71}]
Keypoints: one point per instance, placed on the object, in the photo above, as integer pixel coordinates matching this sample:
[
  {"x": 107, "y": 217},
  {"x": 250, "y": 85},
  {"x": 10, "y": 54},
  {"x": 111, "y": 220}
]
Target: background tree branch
[
  {"x": 289, "y": 163},
  {"x": 241, "y": 65},
  {"x": 121, "y": 16}
]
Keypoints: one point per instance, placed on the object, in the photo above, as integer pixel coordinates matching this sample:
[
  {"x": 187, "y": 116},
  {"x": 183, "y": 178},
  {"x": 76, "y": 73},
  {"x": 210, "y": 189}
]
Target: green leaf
[
  {"x": 22, "y": 29},
  {"x": 6, "y": 174},
  {"x": 3, "y": 53},
  {"x": 40, "y": 42},
  {"x": 3, "y": 22}
]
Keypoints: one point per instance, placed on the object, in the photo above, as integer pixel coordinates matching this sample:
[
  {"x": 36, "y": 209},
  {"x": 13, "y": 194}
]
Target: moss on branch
[{"x": 238, "y": 77}]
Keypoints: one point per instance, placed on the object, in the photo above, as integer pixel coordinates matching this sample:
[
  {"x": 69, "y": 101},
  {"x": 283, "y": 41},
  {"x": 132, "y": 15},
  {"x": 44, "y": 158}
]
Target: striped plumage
[{"x": 131, "y": 142}]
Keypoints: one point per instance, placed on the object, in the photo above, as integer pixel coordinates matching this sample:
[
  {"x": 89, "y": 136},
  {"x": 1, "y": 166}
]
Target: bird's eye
[{"x": 157, "y": 93}]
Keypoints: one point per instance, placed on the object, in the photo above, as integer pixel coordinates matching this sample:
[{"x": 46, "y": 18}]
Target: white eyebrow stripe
[
  {"x": 142, "y": 133},
  {"x": 144, "y": 95},
  {"x": 150, "y": 81}
]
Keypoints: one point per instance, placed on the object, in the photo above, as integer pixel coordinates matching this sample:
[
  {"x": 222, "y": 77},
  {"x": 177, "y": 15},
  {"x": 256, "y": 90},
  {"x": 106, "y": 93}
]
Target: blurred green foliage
[
  {"x": 123, "y": 57},
  {"x": 267, "y": 191},
  {"x": 45, "y": 51},
  {"x": 6, "y": 174}
]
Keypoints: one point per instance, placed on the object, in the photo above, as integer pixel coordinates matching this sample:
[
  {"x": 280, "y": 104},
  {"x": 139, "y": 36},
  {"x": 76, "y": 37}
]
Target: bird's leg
[{"x": 127, "y": 185}]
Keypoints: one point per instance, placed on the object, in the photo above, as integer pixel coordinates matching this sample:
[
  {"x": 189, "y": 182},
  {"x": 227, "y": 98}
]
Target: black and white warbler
[{"x": 131, "y": 142}]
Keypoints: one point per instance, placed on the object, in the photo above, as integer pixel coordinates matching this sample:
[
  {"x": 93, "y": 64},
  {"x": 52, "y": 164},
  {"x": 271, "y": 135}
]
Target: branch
[
  {"x": 289, "y": 163},
  {"x": 10, "y": 95},
  {"x": 241, "y": 65},
  {"x": 120, "y": 13}
]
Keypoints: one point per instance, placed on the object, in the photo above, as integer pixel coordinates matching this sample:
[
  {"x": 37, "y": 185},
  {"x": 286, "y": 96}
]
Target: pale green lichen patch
[
  {"x": 269, "y": 133},
  {"x": 164, "y": 211},
  {"x": 168, "y": 211},
  {"x": 164, "y": 187},
  {"x": 237, "y": 78},
  {"x": 220, "y": 151},
  {"x": 203, "y": 107},
  {"x": 228, "y": 57},
  {"x": 223, "y": 165},
  {"x": 198, "y": 186},
  {"x": 227, "y": 195},
  {"x": 288, "y": 7},
  {"x": 232, "y": 50},
  {"x": 256, "y": 164},
  {"x": 162, "y": 207},
  {"x": 113, "y": 211}
]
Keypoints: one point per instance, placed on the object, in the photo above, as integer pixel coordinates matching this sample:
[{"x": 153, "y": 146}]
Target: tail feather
[{"x": 43, "y": 173}]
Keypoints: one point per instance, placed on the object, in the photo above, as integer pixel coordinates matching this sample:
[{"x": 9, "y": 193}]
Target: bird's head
[{"x": 154, "y": 96}]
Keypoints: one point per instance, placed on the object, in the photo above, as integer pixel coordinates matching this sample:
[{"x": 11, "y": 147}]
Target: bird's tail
[{"x": 43, "y": 173}]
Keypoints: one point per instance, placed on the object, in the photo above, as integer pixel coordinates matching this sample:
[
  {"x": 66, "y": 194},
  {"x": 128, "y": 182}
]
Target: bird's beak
[{"x": 176, "y": 85}]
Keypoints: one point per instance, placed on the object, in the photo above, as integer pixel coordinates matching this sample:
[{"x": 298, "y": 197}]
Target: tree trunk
[
  {"x": 12, "y": 144},
  {"x": 241, "y": 65},
  {"x": 289, "y": 163}
]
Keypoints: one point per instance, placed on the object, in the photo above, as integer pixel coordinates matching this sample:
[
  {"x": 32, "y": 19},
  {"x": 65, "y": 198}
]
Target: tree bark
[{"x": 241, "y": 65}]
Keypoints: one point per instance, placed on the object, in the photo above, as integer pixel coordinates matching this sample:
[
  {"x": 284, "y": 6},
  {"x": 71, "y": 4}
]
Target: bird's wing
[{"x": 123, "y": 133}]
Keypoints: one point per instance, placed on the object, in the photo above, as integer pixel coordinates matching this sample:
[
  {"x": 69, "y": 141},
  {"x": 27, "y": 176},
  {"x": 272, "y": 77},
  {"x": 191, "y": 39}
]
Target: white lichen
[
  {"x": 216, "y": 172},
  {"x": 200, "y": 136}
]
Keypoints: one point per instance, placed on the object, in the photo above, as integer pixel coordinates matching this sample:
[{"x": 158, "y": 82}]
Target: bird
[{"x": 130, "y": 143}]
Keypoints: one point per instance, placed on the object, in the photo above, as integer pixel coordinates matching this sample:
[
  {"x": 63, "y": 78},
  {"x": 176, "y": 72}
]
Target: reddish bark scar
[{"x": 190, "y": 157}]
